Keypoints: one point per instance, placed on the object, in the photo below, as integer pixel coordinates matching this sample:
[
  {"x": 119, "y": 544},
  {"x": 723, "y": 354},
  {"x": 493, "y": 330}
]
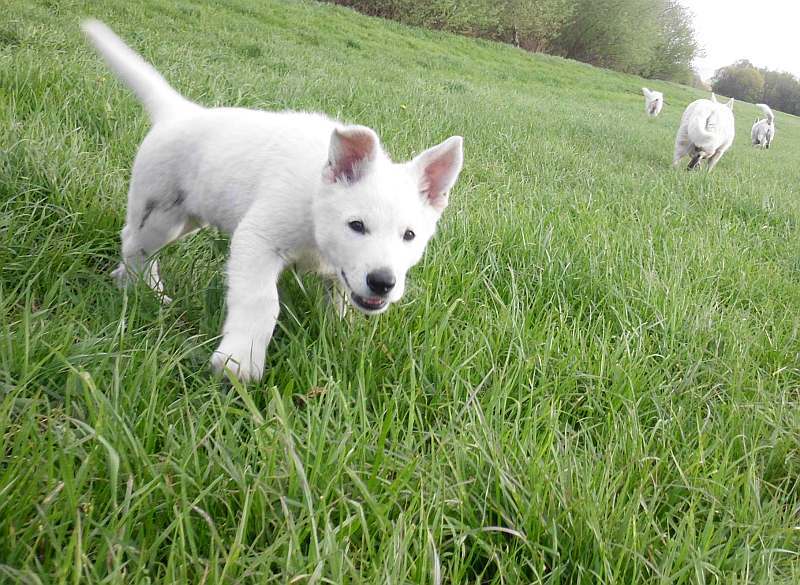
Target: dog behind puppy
[
  {"x": 291, "y": 188},
  {"x": 763, "y": 131},
  {"x": 706, "y": 132},
  {"x": 653, "y": 102}
]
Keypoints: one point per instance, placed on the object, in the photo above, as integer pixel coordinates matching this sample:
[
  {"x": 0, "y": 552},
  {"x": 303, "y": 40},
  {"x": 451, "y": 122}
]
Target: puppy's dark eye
[
  {"x": 409, "y": 235},
  {"x": 358, "y": 226}
]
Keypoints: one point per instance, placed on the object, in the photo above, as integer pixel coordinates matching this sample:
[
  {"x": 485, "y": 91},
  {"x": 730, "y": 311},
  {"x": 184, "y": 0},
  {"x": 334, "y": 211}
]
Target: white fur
[
  {"x": 707, "y": 130},
  {"x": 763, "y": 131},
  {"x": 653, "y": 102},
  {"x": 288, "y": 187}
]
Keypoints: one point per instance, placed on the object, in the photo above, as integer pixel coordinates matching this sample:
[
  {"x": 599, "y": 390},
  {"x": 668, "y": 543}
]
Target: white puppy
[
  {"x": 291, "y": 188},
  {"x": 763, "y": 131},
  {"x": 653, "y": 102},
  {"x": 706, "y": 132}
]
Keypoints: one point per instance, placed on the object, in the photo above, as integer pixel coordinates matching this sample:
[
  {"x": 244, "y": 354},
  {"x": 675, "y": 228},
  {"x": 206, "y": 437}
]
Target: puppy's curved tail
[
  {"x": 159, "y": 99},
  {"x": 767, "y": 112},
  {"x": 701, "y": 133}
]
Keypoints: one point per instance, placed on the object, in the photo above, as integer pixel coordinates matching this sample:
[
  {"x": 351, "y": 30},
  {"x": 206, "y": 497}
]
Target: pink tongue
[{"x": 373, "y": 300}]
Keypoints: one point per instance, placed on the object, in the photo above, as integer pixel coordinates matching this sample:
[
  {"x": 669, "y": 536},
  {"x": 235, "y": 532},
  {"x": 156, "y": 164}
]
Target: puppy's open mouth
[{"x": 368, "y": 303}]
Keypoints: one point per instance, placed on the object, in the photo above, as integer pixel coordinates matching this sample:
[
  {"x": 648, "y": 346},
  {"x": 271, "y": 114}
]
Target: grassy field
[{"x": 594, "y": 376}]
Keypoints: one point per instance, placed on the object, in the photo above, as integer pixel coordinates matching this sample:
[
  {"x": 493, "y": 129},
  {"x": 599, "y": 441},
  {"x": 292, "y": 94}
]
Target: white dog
[
  {"x": 291, "y": 188},
  {"x": 653, "y": 102},
  {"x": 763, "y": 131},
  {"x": 706, "y": 132}
]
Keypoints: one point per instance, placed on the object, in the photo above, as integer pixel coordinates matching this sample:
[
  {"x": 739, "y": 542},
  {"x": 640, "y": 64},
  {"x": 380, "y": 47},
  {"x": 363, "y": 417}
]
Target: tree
[
  {"x": 618, "y": 34},
  {"x": 740, "y": 80},
  {"x": 781, "y": 91},
  {"x": 676, "y": 46}
]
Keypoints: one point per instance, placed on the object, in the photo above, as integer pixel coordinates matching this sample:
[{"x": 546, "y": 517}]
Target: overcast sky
[{"x": 767, "y": 32}]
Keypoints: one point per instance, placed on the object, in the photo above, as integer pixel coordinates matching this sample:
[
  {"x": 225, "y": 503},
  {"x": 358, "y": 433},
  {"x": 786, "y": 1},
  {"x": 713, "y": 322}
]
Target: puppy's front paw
[{"x": 241, "y": 357}]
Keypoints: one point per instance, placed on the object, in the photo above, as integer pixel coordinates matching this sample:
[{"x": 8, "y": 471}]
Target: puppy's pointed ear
[
  {"x": 438, "y": 168},
  {"x": 730, "y": 104},
  {"x": 351, "y": 152},
  {"x": 714, "y": 98}
]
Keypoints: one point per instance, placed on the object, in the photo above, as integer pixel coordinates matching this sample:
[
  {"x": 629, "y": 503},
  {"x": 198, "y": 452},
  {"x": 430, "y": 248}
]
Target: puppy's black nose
[{"x": 381, "y": 281}]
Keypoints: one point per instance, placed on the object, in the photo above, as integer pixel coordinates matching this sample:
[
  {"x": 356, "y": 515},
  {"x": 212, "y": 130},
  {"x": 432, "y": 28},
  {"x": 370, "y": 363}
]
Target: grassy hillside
[{"x": 594, "y": 376}]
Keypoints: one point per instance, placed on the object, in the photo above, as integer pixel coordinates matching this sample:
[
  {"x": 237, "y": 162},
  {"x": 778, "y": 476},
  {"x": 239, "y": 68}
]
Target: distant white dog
[
  {"x": 763, "y": 131},
  {"x": 707, "y": 130},
  {"x": 653, "y": 102},
  {"x": 290, "y": 187}
]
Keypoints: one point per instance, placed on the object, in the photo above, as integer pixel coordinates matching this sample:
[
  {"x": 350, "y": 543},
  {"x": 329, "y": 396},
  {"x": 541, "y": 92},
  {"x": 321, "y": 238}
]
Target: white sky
[{"x": 767, "y": 32}]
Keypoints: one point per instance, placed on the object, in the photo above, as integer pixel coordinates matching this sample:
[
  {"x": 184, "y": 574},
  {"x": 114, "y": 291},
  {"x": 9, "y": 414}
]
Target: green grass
[{"x": 593, "y": 378}]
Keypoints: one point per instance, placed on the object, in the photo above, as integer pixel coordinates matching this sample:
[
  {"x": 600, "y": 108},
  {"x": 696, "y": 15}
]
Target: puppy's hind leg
[
  {"x": 712, "y": 162},
  {"x": 145, "y": 233},
  {"x": 682, "y": 148},
  {"x": 121, "y": 274}
]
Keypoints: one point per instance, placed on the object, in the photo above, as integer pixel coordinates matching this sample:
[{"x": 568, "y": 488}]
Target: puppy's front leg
[
  {"x": 252, "y": 298},
  {"x": 337, "y": 298}
]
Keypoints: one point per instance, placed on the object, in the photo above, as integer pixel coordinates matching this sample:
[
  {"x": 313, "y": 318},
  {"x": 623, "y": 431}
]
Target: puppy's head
[{"x": 374, "y": 217}]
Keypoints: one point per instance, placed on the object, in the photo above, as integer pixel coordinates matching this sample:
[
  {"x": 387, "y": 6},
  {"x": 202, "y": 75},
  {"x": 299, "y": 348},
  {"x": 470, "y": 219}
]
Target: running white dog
[
  {"x": 763, "y": 131},
  {"x": 653, "y": 102},
  {"x": 291, "y": 188},
  {"x": 706, "y": 132}
]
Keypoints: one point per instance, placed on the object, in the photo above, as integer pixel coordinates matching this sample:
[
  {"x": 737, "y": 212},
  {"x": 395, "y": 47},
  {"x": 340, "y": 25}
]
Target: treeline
[
  {"x": 745, "y": 81},
  {"x": 651, "y": 38}
]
